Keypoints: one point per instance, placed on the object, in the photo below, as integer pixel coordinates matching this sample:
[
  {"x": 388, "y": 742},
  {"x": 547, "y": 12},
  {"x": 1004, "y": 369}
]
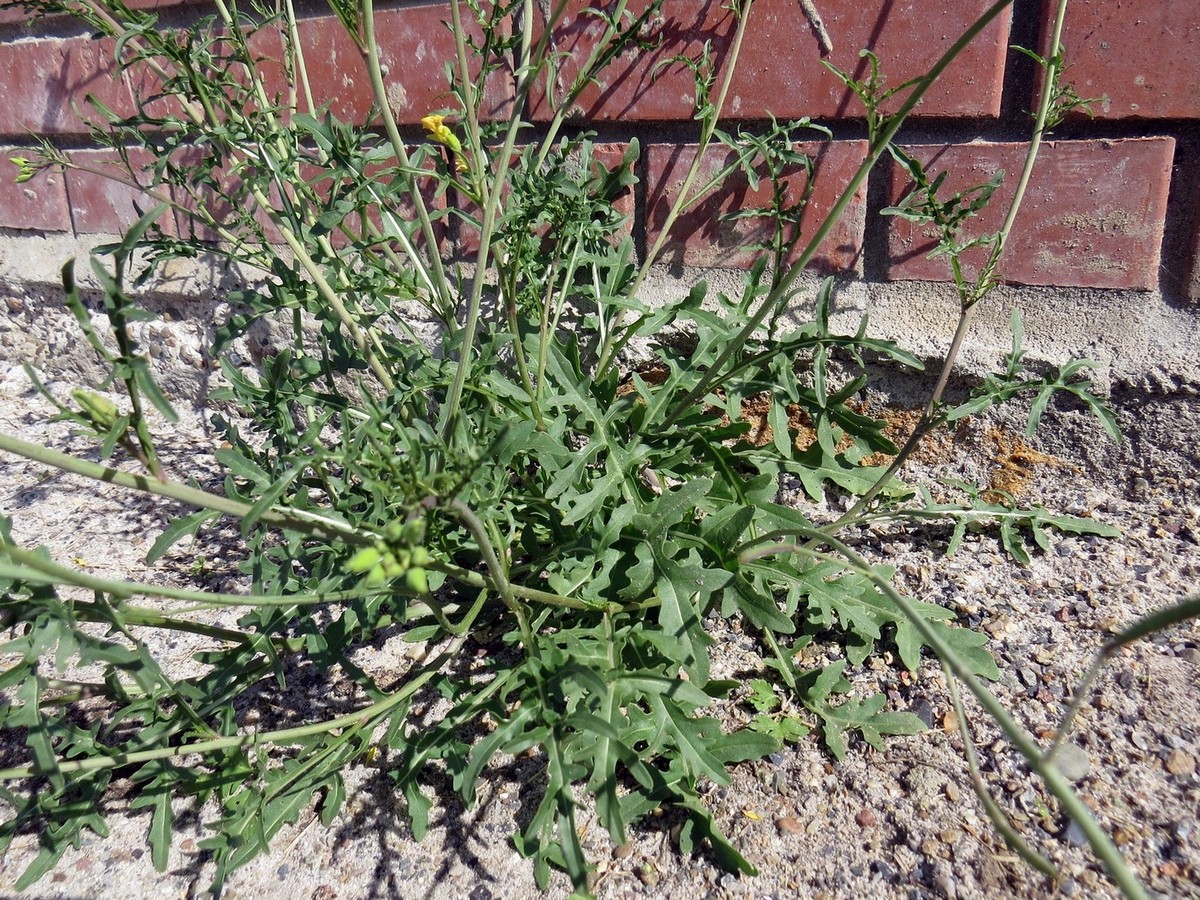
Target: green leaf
[
  {"x": 694, "y": 738},
  {"x": 418, "y": 809},
  {"x": 705, "y": 828},
  {"x": 505, "y": 732},
  {"x": 270, "y": 497},
  {"x": 669, "y": 509},
  {"x": 159, "y": 836},
  {"x": 649, "y": 684},
  {"x": 863, "y": 716},
  {"x": 742, "y": 745},
  {"x": 242, "y": 466},
  {"x": 787, "y": 729},
  {"x": 762, "y": 610},
  {"x": 724, "y": 528},
  {"x": 185, "y": 526},
  {"x": 148, "y": 386},
  {"x": 48, "y": 855},
  {"x": 762, "y": 695},
  {"x": 335, "y": 796}
]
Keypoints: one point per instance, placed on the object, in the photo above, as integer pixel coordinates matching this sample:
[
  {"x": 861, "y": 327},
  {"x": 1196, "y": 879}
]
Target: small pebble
[
  {"x": 1180, "y": 762},
  {"x": 789, "y": 825},
  {"x": 883, "y": 870},
  {"x": 1074, "y": 835},
  {"x": 866, "y": 818},
  {"x": 647, "y": 876},
  {"x": 1073, "y": 762},
  {"x": 923, "y": 710}
]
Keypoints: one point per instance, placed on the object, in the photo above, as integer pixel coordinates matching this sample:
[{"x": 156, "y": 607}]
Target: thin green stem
[
  {"x": 497, "y": 571},
  {"x": 999, "y": 820},
  {"x": 1053, "y": 73},
  {"x": 685, "y": 196},
  {"x": 716, "y": 371},
  {"x": 929, "y": 418},
  {"x": 491, "y": 194},
  {"x": 550, "y": 327},
  {"x": 293, "y": 29},
  {"x": 437, "y": 280},
  {"x": 1025, "y": 744},
  {"x": 582, "y": 79},
  {"x": 33, "y": 567},
  {"x": 1144, "y": 627},
  {"x": 306, "y": 522},
  {"x": 282, "y": 737},
  {"x": 545, "y": 598}
]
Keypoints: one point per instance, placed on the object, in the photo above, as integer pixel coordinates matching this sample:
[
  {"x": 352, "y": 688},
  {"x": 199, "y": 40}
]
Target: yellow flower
[{"x": 440, "y": 132}]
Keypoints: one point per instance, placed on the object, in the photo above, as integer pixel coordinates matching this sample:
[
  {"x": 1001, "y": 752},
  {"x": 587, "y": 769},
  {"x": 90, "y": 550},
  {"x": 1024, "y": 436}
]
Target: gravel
[{"x": 900, "y": 822}]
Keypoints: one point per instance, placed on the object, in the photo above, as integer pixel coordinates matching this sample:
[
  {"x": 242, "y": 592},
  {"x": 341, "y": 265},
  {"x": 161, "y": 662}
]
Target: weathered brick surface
[
  {"x": 414, "y": 47},
  {"x": 103, "y": 205},
  {"x": 47, "y": 82},
  {"x": 1140, "y": 57},
  {"x": 700, "y": 238},
  {"x": 11, "y": 11},
  {"x": 1093, "y": 215},
  {"x": 39, "y": 204},
  {"x": 46, "y": 78},
  {"x": 780, "y": 70}
]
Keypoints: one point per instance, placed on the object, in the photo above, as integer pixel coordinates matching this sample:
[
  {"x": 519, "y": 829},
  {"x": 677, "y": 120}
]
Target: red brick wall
[{"x": 1113, "y": 203}]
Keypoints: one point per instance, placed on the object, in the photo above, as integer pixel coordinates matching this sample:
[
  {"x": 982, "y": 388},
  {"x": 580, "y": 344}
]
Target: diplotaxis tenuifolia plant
[{"x": 512, "y": 482}]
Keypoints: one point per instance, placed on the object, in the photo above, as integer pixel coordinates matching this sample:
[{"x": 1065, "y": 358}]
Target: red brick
[
  {"x": 167, "y": 4},
  {"x": 699, "y": 238},
  {"x": 103, "y": 205},
  {"x": 1142, "y": 57},
  {"x": 46, "y": 84},
  {"x": 1092, "y": 216},
  {"x": 11, "y": 11},
  {"x": 414, "y": 46},
  {"x": 37, "y": 205},
  {"x": 608, "y": 155},
  {"x": 780, "y": 69}
]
